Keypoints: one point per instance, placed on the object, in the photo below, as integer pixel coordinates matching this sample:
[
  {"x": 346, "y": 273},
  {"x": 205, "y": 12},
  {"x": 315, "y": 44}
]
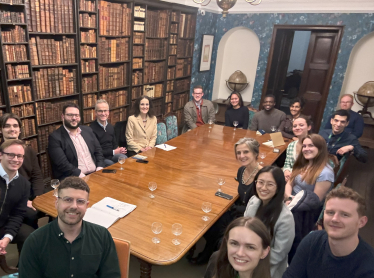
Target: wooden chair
[
  {"x": 120, "y": 133},
  {"x": 123, "y": 253},
  {"x": 252, "y": 112},
  {"x": 161, "y": 133},
  {"x": 4, "y": 266},
  {"x": 171, "y": 121}
]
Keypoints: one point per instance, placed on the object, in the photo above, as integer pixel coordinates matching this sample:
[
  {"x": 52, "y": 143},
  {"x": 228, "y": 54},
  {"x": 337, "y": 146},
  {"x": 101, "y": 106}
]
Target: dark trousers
[{"x": 23, "y": 232}]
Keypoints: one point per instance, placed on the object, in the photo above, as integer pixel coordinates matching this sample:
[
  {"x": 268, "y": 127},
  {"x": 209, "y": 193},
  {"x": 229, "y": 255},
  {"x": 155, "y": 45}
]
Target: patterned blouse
[{"x": 291, "y": 156}]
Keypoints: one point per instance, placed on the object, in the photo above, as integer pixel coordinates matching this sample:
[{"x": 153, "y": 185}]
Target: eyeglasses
[
  {"x": 346, "y": 102},
  {"x": 69, "y": 201},
  {"x": 197, "y": 94},
  {"x": 261, "y": 183},
  {"x": 73, "y": 115},
  {"x": 13, "y": 155},
  {"x": 102, "y": 111}
]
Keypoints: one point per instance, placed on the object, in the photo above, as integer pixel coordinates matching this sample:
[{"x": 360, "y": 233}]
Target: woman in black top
[
  {"x": 236, "y": 112},
  {"x": 246, "y": 152},
  {"x": 296, "y": 106}
]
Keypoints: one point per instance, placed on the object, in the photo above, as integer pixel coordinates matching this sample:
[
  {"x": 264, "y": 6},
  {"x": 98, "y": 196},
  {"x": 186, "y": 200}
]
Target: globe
[
  {"x": 237, "y": 81},
  {"x": 366, "y": 94}
]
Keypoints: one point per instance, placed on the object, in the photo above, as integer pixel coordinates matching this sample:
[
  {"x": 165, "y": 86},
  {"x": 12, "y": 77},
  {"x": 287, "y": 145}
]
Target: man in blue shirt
[
  {"x": 338, "y": 251},
  {"x": 339, "y": 141},
  {"x": 356, "y": 122}
]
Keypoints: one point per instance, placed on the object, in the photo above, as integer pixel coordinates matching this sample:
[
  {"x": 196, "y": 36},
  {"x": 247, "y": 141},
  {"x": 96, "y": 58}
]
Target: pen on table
[
  {"x": 165, "y": 146},
  {"x": 112, "y": 207}
]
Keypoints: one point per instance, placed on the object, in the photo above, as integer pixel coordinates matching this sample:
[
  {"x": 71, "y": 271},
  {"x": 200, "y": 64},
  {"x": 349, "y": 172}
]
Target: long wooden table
[{"x": 186, "y": 177}]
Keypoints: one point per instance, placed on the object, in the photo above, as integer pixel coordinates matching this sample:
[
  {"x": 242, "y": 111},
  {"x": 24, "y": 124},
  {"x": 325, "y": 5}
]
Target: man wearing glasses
[
  {"x": 104, "y": 132},
  {"x": 198, "y": 111},
  {"x": 14, "y": 194},
  {"x": 73, "y": 149},
  {"x": 69, "y": 246}
]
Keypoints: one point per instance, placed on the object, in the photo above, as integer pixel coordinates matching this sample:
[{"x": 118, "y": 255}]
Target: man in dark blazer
[{"x": 73, "y": 149}]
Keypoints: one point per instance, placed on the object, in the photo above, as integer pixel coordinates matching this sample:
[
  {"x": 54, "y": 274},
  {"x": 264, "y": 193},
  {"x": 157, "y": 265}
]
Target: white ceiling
[{"x": 290, "y": 6}]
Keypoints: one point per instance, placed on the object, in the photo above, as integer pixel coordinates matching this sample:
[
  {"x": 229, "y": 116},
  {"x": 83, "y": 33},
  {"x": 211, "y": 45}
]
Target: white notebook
[{"x": 107, "y": 211}]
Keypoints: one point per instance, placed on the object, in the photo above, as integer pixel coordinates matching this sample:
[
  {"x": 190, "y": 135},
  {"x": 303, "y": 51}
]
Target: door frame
[{"x": 325, "y": 28}]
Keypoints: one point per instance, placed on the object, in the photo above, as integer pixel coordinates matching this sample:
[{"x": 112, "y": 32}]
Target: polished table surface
[{"x": 186, "y": 177}]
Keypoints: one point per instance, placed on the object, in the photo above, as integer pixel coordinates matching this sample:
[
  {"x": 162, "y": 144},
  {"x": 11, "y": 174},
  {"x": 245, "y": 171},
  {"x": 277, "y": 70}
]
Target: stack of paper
[{"x": 165, "y": 147}]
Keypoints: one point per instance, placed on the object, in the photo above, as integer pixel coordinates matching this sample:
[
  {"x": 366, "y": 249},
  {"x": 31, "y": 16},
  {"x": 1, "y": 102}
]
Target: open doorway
[{"x": 301, "y": 64}]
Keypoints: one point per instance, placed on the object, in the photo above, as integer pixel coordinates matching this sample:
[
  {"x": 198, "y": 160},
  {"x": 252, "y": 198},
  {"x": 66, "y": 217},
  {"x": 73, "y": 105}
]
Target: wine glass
[
  {"x": 262, "y": 156},
  {"x": 206, "y": 207},
  {"x": 152, "y": 186},
  {"x": 176, "y": 229},
  {"x": 210, "y": 122},
  {"x": 273, "y": 128},
  {"x": 235, "y": 123},
  {"x": 55, "y": 184},
  {"x": 221, "y": 181},
  {"x": 121, "y": 160},
  {"x": 156, "y": 229}
]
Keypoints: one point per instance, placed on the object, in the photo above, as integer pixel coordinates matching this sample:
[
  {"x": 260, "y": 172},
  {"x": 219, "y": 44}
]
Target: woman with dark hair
[
  {"x": 237, "y": 112},
  {"x": 286, "y": 127},
  {"x": 268, "y": 206},
  {"x": 141, "y": 130},
  {"x": 301, "y": 127},
  {"x": 244, "y": 250}
]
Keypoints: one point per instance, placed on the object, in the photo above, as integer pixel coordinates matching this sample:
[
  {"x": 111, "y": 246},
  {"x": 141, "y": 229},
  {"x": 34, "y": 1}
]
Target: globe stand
[{"x": 364, "y": 111}]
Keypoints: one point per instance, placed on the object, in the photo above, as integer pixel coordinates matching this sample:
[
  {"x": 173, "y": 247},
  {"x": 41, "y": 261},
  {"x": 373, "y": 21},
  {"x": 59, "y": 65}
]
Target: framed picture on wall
[{"x": 206, "y": 52}]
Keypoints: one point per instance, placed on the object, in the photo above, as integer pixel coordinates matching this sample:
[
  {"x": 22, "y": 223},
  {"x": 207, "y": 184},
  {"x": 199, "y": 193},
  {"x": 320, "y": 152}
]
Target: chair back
[
  {"x": 123, "y": 253},
  {"x": 161, "y": 133},
  {"x": 171, "y": 126},
  {"x": 120, "y": 133},
  {"x": 216, "y": 107}
]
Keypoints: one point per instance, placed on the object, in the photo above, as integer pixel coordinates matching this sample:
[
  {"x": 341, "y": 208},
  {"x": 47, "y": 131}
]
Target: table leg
[{"x": 145, "y": 269}]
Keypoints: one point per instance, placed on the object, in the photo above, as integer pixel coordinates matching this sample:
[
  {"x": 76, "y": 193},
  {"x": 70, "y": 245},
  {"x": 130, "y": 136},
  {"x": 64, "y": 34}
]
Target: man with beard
[
  {"x": 73, "y": 149},
  {"x": 69, "y": 246},
  {"x": 268, "y": 117}
]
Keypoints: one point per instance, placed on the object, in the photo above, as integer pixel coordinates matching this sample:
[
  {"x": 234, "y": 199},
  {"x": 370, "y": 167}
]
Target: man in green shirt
[{"x": 69, "y": 246}]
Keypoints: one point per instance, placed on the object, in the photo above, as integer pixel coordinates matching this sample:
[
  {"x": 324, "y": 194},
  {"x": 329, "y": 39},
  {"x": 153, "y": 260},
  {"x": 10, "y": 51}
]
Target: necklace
[{"x": 250, "y": 176}]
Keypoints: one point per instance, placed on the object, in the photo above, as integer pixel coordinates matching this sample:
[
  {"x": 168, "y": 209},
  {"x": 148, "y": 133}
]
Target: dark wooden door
[{"x": 319, "y": 67}]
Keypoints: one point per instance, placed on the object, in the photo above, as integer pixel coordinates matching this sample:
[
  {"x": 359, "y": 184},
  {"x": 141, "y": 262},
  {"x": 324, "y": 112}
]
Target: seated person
[
  {"x": 237, "y": 112},
  {"x": 311, "y": 179},
  {"x": 198, "y": 111},
  {"x": 286, "y": 127},
  {"x": 90, "y": 251},
  {"x": 244, "y": 250},
  {"x": 104, "y": 133},
  {"x": 141, "y": 130},
  {"x": 268, "y": 117},
  {"x": 339, "y": 141},
  {"x": 74, "y": 149},
  {"x": 356, "y": 122},
  {"x": 11, "y": 129},
  {"x": 301, "y": 128},
  {"x": 338, "y": 251},
  {"x": 15, "y": 191}
]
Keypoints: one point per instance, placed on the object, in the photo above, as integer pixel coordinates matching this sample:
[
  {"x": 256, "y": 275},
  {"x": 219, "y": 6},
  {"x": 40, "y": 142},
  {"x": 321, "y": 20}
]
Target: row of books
[
  {"x": 89, "y": 115},
  {"x": 171, "y": 73},
  {"x": 12, "y": 1},
  {"x": 187, "y": 25},
  {"x": 137, "y": 63},
  {"x": 155, "y": 49},
  {"x": 180, "y": 117},
  {"x": 115, "y": 99},
  {"x": 112, "y": 77},
  {"x": 14, "y": 53},
  {"x": 19, "y": 94},
  {"x": 48, "y": 112},
  {"x": 153, "y": 91},
  {"x": 137, "y": 77},
  {"x": 173, "y": 39},
  {"x": 118, "y": 115},
  {"x": 52, "y": 51},
  {"x": 136, "y": 92},
  {"x": 174, "y": 28},
  {"x": 172, "y": 60},
  {"x": 175, "y": 16},
  {"x": 50, "y": 16},
  {"x": 88, "y": 66},
  {"x": 54, "y": 82},
  {"x": 138, "y": 26},
  {"x": 88, "y": 51},
  {"x": 24, "y": 110},
  {"x": 7, "y": 16},
  {"x": 45, "y": 166},
  {"x": 15, "y": 34},
  {"x": 154, "y": 72},
  {"x": 89, "y": 100},
  {"x": 17, "y": 71},
  {"x": 182, "y": 85},
  {"x": 172, "y": 50},
  {"x": 185, "y": 48},
  {"x": 115, "y": 19},
  {"x": 86, "y": 5},
  {"x": 157, "y": 106},
  {"x": 138, "y": 37},
  {"x": 183, "y": 67},
  {"x": 169, "y": 97},
  {"x": 168, "y": 107},
  {"x": 137, "y": 50},
  {"x": 88, "y": 36},
  {"x": 170, "y": 85},
  {"x": 43, "y": 132},
  {"x": 28, "y": 127},
  {"x": 89, "y": 84},
  {"x": 113, "y": 50},
  {"x": 87, "y": 20},
  {"x": 139, "y": 11},
  {"x": 180, "y": 100},
  {"x": 33, "y": 143},
  {"x": 157, "y": 23}
]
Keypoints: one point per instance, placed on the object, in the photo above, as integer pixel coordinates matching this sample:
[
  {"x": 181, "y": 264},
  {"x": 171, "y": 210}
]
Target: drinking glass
[
  {"x": 273, "y": 128},
  {"x": 121, "y": 160},
  {"x": 262, "y": 156},
  {"x": 152, "y": 186},
  {"x": 176, "y": 229},
  {"x": 55, "y": 184},
  {"x": 210, "y": 122},
  {"x": 235, "y": 123},
  {"x": 156, "y": 229},
  {"x": 221, "y": 181},
  {"x": 206, "y": 207}
]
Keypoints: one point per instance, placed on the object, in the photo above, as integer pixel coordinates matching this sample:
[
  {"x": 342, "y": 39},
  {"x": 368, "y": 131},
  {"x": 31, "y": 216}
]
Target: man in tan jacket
[{"x": 197, "y": 111}]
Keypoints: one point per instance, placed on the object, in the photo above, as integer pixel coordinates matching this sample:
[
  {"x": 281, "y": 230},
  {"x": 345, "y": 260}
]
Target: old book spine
[
  {"x": 47, "y": 17},
  {"x": 61, "y": 81},
  {"x": 52, "y": 14}
]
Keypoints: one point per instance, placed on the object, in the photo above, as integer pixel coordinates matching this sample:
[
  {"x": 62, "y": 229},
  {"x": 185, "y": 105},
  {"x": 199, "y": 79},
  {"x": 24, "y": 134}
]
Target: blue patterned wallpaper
[{"x": 356, "y": 27}]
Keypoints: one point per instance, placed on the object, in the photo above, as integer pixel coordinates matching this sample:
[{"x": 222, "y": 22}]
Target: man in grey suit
[{"x": 197, "y": 111}]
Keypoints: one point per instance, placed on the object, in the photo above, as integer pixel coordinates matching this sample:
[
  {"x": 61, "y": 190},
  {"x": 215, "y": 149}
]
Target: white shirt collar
[{"x": 5, "y": 176}]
